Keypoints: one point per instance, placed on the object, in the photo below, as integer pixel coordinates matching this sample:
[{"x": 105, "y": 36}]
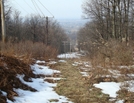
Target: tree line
[
  {"x": 32, "y": 28},
  {"x": 109, "y": 34},
  {"x": 109, "y": 19}
]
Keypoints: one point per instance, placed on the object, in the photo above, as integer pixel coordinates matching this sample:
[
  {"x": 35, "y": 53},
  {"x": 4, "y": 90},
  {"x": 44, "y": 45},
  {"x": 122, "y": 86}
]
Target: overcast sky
[{"x": 61, "y": 9}]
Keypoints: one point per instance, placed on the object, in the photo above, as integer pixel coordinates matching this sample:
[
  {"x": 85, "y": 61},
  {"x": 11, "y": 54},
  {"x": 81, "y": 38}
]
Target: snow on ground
[
  {"x": 69, "y": 55},
  {"x": 130, "y": 86},
  {"x": 62, "y": 61},
  {"x": 44, "y": 70},
  {"x": 109, "y": 88},
  {"x": 85, "y": 74},
  {"x": 4, "y": 93},
  {"x": 115, "y": 73},
  {"x": 45, "y": 91},
  {"x": 120, "y": 101},
  {"x": 84, "y": 67},
  {"x": 38, "y": 61},
  {"x": 52, "y": 62}
]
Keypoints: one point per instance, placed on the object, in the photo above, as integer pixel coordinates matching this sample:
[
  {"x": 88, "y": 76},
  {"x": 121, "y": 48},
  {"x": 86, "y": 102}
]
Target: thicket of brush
[
  {"x": 10, "y": 67},
  {"x": 112, "y": 53},
  {"x": 28, "y": 50}
]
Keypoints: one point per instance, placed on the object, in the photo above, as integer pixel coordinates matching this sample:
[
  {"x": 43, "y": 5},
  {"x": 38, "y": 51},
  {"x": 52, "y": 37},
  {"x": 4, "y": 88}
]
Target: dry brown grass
[
  {"x": 10, "y": 67},
  {"x": 27, "y": 50},
  {"x": 81, "y": 90},
  {"x": 76, "y": 87},
  {"x": 112, "y": 53}
]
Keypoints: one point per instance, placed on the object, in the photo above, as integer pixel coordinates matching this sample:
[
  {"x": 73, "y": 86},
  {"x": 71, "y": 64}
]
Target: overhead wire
[
  {"x": 29, "y": 5},
  {"x": 20, "y": 5},
  {"x": 45, "y": 8},
  {"x": 35, "y": 7},
  {"x": 38, "y": 8}
]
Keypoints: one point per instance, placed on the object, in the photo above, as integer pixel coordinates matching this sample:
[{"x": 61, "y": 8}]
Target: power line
[
  {"x": 35, "y": 6},
  {"x": 20, "y": 6},
  {"x": 45, "y": 8},
  {"x": 38, "y": 8},
  {"x": 29, "y": 5}
]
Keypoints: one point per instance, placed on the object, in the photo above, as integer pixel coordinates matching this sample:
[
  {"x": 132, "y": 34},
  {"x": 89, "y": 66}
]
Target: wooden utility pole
[
  {"x": 48, "y": 41},
  {"x": 3, "y": 21},
  {"x": 47, "y": 31}
]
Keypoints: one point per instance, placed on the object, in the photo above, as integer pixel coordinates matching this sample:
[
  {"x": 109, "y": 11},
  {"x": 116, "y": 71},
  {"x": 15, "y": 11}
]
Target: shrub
[
  {"x": 27, "y": 50},
  {"x": 112, "y": 53}
]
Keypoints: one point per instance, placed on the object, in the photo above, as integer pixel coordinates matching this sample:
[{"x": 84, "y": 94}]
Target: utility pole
[
  {"x": 47, "y": 31},
  {"x": 3, "y": 21}
]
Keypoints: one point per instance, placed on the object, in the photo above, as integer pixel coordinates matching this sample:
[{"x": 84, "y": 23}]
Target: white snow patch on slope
[
  {"x": 109, "y": 88},
  {"x": 38, "y": 61},
  {"x": 44, "y": 70},
  {"x": 69, "y": 55},
  {"x": 45, "y": 91},
  {"x": 120, "y": 101}
]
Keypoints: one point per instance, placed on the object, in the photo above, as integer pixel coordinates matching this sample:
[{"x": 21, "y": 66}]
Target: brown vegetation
[
  {"x": 10, "y": 67},
  {"x": 79, "y": 89},
  {"x": 109, "y": 34},
  {"x": 28, "y": 50}
]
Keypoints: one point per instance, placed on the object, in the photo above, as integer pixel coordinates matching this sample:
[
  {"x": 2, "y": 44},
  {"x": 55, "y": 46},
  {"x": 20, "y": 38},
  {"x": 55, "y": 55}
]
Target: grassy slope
[{"x": 77, "y": 88}]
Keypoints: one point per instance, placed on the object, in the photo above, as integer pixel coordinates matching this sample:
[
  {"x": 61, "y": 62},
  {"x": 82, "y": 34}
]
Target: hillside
[{"x": 71, "y": 26}]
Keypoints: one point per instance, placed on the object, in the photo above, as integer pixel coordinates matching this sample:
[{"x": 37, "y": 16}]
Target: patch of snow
[
  {"x": 85, "y": 74},
  {"x": 109, "y": 88},
  {"x": 130, "y": 85},
  {"x": 62, "y": 61},
  {"x": 116, "y": 73},
  {"x": 69, "y": 55},
  {"x": 4, "y": 93},
  {"x": 120, "y": 101},
  {"x": 45, "y": 91},
  {"x": 88, "y": 65},
  {"x": 38, "y": 69},
  {"x": 38, "y": 61},
  {"x": 43, "y": 96},
  {"x": 52, "y": 62},
  {"x": 130, "y": 75},
  {"x": 75, "y": 65},
  {"x": 8, "y": 101},
  {"x": 38, "y": 84},
  {"x": 122, "y": 67},
  {"x": 85, "y": 69},
  {"x": 53, "y": 78},
  {"x": 79, "y": 63}
]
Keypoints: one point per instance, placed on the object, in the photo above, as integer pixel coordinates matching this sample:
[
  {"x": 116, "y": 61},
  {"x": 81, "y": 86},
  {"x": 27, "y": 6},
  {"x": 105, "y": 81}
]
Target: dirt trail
[{"x": 76, "y": 87}]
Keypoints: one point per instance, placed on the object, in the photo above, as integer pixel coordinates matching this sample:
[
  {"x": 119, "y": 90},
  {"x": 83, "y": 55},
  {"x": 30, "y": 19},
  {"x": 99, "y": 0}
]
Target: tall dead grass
[
  {"x": 27, "y": 50},
  {"x": 113, "y": 53}
]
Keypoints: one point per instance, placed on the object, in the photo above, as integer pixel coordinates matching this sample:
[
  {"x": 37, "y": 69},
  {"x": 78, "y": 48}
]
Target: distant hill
[{"x": 71, "y": 26}]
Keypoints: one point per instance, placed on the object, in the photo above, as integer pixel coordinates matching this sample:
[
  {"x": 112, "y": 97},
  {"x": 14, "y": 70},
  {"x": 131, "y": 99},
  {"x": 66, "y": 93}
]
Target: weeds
[
  {"x": 27, "y": 50},
  {"x": 112, "y": 53},
  {"x": 76, "y": 88}
]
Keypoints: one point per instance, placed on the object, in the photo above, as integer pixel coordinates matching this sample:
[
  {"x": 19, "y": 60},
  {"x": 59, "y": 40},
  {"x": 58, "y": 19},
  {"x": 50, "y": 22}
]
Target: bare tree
[{"x": 112, "y": 17}]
